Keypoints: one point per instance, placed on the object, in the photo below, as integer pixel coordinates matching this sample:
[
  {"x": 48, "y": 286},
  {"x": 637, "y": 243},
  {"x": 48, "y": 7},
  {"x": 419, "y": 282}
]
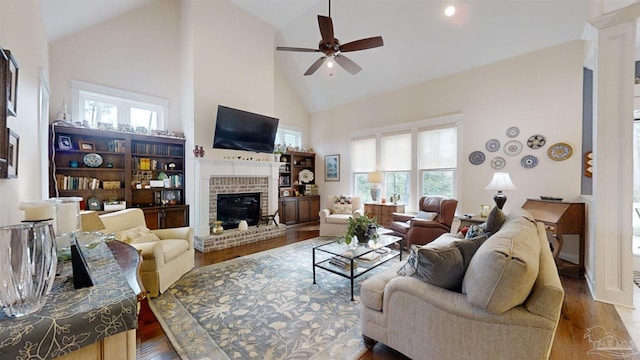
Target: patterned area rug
[{"x": 263, "y": 306}]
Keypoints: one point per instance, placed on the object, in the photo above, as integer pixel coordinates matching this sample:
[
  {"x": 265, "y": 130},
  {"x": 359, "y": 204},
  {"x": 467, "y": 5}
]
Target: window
[
  {"x": 437, "y": 161},
  {"x": 288, "y": 137},
  {"x": 104, "y": 107},
  {"x": 363, "y": 161},
  {"x": 416, "y": 159}
]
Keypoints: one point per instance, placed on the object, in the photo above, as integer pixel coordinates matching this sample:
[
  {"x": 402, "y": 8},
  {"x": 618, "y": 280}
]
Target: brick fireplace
[{"x": 216, "y": 176}]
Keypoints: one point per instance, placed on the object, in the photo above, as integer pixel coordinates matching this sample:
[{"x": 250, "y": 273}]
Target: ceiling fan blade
[
  {"x": 315, "y": 66},
  {"x": 347, "y": 64},
  {"x": 326, "y": 30},
  {"x": 286, "y": 48},
  {"x": 362, "y": 44}
]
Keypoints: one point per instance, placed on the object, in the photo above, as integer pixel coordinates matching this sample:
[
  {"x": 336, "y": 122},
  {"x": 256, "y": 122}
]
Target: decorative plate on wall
[
  {"x": 305, "y": 176},
  {"x": 513, "y": 132},
  {"x": 560, "y": 151},
  {"x": 536, "y": 141},
  {"x": 498, "y": 162},
  {"x": 513, "y": 147},
  {"x": 493, "y": 145},
  {"x": 92, "y": 160},
  {"x": 529, "y": 161},
  {"x": 476, "y": 157}
]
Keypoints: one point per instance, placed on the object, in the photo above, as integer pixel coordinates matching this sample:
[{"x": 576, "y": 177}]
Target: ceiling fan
[{"x": 331, "y": 47}]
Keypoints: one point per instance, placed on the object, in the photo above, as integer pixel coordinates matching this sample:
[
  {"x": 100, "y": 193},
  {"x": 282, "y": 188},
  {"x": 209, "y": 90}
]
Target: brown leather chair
[{"x": 420, "y": 232}]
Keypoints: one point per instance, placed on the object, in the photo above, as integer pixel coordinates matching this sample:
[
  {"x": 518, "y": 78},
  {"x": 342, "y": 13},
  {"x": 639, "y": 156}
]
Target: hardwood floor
[{"x": 579, "y": 312}]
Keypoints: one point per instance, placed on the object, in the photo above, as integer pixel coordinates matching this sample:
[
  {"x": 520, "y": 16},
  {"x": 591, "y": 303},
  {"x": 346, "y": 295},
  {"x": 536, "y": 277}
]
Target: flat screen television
[{"x": 243, "y": 130}]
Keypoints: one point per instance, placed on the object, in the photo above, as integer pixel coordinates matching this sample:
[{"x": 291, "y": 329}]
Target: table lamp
[
  {"x": 375, "y": 178},
  {"x": 501, "y": 181}
]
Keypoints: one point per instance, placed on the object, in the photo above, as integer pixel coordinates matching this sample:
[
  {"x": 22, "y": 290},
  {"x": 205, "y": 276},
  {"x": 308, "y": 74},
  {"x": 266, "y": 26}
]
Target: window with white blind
[
  {"x": 437, "y": 161},
  {"x": 395, "y": 156},
  {"x": 418, "y": 160},
  {"x": 363, "y": 161}
]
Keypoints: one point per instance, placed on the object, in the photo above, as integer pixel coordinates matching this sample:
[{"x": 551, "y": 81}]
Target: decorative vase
[
  {"x": 395, "y": 198},
  {"x": 242, "y": 225},
  {"x": 27, "y": 267},
  {"x": 218, "y": 229},
  {"x": 198, "y": 151}
]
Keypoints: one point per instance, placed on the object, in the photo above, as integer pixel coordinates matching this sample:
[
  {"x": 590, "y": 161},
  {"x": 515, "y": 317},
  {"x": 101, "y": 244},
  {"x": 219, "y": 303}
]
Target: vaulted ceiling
[{"x": 420, "y": 43}]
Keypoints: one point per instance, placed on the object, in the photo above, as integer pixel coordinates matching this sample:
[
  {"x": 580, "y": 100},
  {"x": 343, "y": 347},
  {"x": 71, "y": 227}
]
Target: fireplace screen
[{"x": 232, "y": 208}]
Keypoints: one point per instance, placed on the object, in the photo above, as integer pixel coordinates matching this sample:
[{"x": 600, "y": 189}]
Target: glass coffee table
[{"x": 352, "y": 262}]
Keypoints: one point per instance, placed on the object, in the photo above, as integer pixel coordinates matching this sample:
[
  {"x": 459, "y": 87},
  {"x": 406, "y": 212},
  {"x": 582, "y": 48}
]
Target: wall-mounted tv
[{"x": 243, "y": 130}]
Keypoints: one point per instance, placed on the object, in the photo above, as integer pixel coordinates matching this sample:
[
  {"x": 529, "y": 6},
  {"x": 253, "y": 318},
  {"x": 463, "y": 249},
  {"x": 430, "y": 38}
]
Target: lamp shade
[
  {"x": 374, "y": 177},
  {"x": 501, "y": 181}
]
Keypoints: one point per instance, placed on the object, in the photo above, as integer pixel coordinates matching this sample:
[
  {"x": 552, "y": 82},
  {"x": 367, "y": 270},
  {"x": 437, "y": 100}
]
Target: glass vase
[{"x": 27, "y": 267}]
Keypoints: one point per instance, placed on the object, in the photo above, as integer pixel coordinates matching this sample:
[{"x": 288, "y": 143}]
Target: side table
[
  {"x": 383, "y": 212},
  {"x": 474, "y": 220}
]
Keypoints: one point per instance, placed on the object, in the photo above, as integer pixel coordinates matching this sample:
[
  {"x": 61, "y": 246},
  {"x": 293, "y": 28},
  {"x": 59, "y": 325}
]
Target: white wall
[
  {"x": 22, "y": 32},
  {"x": 541, "y": 93},
  {"x": 289, "y": 108},
  {"x": 138, "y": 51}
]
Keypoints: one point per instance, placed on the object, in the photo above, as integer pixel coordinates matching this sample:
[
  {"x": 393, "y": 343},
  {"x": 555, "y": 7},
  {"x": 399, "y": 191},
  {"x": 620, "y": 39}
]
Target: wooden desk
[
  {"x": 561, "y": 218},
  {"x": 383, "y": 212}
]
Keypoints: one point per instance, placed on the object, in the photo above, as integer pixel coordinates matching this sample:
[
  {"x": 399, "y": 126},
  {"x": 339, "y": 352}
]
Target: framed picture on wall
[
  {"x": 13, "y": 148},
  {"x": 332, "y": 167},
  {"x": 11, "y": 75}
]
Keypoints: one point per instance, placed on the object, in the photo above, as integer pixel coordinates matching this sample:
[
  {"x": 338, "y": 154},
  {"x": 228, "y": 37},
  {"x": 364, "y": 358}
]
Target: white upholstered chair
[
  {"x": 167, "y": 254},
  {"x": 334, "y": 217}
]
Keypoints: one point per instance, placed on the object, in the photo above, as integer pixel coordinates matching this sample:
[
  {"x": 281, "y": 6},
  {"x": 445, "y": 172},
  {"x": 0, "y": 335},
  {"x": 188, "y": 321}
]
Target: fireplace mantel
[{"x": 205, "y": 168}]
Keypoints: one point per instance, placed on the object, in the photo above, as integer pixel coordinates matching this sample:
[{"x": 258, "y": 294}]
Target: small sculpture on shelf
[{"x": 198, "y": 151}]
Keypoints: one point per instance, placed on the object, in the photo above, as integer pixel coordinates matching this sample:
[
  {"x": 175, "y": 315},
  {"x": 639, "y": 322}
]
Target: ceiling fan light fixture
[
  {"x": 450, "y": 10},
  {"x": 330, "y": 64}
]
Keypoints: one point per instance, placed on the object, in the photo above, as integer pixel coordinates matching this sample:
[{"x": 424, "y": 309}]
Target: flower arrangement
[
  {"x": 342, "y": 200},
  {"x": 279, "y": 149}
]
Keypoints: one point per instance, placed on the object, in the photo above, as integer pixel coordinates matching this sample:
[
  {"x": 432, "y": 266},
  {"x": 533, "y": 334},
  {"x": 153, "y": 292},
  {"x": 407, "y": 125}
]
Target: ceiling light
[
  {"x": 330, "y": 64},
  {"x": 450, "y": 10}
]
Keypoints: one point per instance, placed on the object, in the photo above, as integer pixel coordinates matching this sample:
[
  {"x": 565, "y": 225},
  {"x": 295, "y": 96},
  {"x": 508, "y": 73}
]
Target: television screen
[{"x": 243, "y": 130}]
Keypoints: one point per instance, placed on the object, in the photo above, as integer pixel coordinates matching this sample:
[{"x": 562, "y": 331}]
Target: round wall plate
[
  {"x": 560, "y": 151},
  {"x": 476, "y": 157},
  {"x": 492, "y": 145},
  {"x": 513, "y": 147},
  {"x": 536, "y": 141},
  {"x": 305, "y": 176},
  {"x": 513, "y": 132},
  {"x": 529, "y": 161},
  {"x": 498, "y": 162}
]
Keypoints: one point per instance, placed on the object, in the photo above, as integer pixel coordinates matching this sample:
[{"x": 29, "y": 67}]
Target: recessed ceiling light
[{"x": 450, "y": 10}]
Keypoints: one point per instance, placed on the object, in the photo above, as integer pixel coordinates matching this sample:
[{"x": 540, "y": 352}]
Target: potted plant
[{"x": 363, "y": 227}]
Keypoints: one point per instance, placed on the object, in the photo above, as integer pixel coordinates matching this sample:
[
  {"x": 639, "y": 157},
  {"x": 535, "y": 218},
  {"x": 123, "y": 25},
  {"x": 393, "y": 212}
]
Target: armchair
[
  {"x": 421, "y": 231},
  {"x": 334, "y": 219},
  {"x": 167, "y": 254}
]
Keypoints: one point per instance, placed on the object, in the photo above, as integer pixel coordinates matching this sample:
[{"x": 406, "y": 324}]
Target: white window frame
[
  {"x": 288, "y": 130},
  {"x": 455, "y": 120},
  {"x": 124, "y": 100}
]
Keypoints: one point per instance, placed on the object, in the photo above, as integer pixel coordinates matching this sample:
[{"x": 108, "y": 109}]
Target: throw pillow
[
  {"x": 342, "y": 209},
  {"x": 341, "y": 199},
  {"x": 137, "y": 235},
  {"x": 425, "y": 215},
  {"x": 495, "y": 219},
  {"x": 442, "y": 262}
]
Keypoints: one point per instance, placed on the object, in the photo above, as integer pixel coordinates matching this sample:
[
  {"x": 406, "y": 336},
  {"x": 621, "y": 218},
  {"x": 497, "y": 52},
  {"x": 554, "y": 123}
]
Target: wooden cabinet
[
  {"x": 112, "y": 167},
  {"x": 561, "y": 218},
  {"x": 382, "y": 212},
  {"x": 170, "y": 217},
  {"x": 299, "y": 209},
  {"x": 288, "y": 210}
]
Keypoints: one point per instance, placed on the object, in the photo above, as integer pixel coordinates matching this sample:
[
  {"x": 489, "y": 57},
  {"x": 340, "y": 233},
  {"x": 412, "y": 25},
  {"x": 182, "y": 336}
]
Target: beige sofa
[
  {"x": 332, "y": 223},
  {"x": 164, "y": 259},
  {"x": 509, "y": 306}
]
